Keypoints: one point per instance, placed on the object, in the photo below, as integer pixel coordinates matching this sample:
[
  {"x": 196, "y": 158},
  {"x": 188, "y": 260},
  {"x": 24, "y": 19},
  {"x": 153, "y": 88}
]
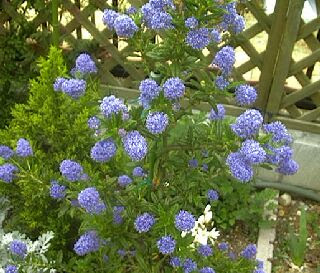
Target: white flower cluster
[{"x": 200, "y": 231}]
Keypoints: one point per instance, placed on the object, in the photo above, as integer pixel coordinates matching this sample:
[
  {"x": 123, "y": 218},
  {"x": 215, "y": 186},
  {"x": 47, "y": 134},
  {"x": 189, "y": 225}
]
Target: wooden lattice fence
[{"x": 284, "y": 29}]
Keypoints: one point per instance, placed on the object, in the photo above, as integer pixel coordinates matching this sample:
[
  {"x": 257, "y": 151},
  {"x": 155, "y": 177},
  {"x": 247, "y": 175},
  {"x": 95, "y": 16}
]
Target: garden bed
[{"x": 289, "y": 216}]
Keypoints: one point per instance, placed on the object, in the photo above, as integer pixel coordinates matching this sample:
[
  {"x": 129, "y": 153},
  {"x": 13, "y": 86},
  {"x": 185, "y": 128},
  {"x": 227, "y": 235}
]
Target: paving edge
[{"x": 266, "y": 239}]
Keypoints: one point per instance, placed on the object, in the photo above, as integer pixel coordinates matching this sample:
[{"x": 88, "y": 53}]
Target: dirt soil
[{"x": 290, "y": 216}]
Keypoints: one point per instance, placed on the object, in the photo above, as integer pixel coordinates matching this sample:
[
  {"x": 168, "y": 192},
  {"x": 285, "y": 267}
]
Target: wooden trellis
[{"x": 284, "y": 28}]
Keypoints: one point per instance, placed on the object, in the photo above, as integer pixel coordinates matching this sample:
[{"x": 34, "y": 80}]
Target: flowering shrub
[{"x": 166, "y": 163}]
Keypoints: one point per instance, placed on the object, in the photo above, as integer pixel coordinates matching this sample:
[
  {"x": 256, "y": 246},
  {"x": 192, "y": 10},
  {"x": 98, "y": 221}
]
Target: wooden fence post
[
  {"x": 284, "y": 59},
  {"x": 271, "y": 54}
]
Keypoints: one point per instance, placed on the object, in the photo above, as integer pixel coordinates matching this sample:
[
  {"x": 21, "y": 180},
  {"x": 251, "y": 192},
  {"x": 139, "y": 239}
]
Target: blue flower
[
  {"x": 138, "y": 172},
  {"x": 193, "y": 163},
  {"x": 103, "y": 150},
  {"x": 221, "y": 83},
  {"x": 225, "y": 59},
  {"x": 191, "y": 22},
  {"x": 18, "y": 248},
  {"x": 94, "y": 122},
  {"x": 198, "y": 38},
  {"x": 205, "y": 167},
  {"x": 7, "y": 172},
  {"x": 149, "y": 90},
  {"x": 184, "y": 221},
  {"x": 117, "y": 217},
  {"x": 240, "y": 169},
  {"x": 247, "y": 124},
  {"x": 89, "y": 199},
  {"x": 161, "y": 4},
  {"x": 223, "y": 246},
  {"x": 144, "y": 222},
  {"x": 252, "y": 152},
  {"x": 131, "y": 10},
  {"x": 58, "y": 83},
  {"x": 189, "y": 265},
  {"x": 135, "y": 145},
  {"x": 124, "y": 180},
  {"x": 75, "y": 88},
  {"x": 109, "y": 16},
  {"x": 124, "y": 26},
  {"x": 212, "y": 195},
  {"x": 215, "y": 36},
  {"x": 239, "y": 24},
  {"x": 161, "y": 20},
  {"x": 71, "y": 170},
  {"x": 85, "y": 64},
  {"x": 288, "y": 167},
  {"x": 111, "y": 105},
  {"x": 278, "y": 155},
  {"x": 278, "y": 131},
  {"x": 206, "y": 270},
  {"x": 205, "y": 250},
  {"x": 230, "y": 16},
  {"x": 10, "y": 268},
  {"x": 249, "y": 252},
  {"x": 6, "y": 152},
  {"x": 175, "y": 262},
  {"x": 57, "y": 191},
  {"x": 157, "y": 122},
  {"x": 23, "y": 148},
  {"x": 122, "y": 252},
  {"x": 217, "y": 114},
  {"x": 245, "y": 94},
  {"x": 166, "y": 244},
  {"x": 173, "y": 88},
  {"x": 88, "y": 242}
]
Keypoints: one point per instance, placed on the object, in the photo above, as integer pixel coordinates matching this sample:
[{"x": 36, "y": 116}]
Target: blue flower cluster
[
  {"x": 6, "y": 152},
  {"x": 249, "y": 252},
  {"x": 10, "y": 268},
  {"x": 223, "y": 246},
  {"x": 193, "y": 163},
  {"x": 94, "y": 123},
  {"x": 240, "y": 169},
  {"x": 217, "y": 114},
  {"x": 184, "y": 221},
  {"x": 252, "y": 152},
  {"x": 221, "y": 83},
  {"x": 90, "y": 200},
  {"x": 205, "y": 250},
  {"x": 117, "y": 214},
  {"x": 23, "y": 148},
  {"x": 122, "y": 24},
  {"x": 175, "y": 262},
  {"x": 215, "y": 36},
  {"x": 85, "y": 64},
  {"x": 144, "y": 222},
  {"x": 278, "y": 131},
  {"x": 138, "y": 172},
  {"x": 103, "y": 150},
  {"x": 57, "y": 191},
  {"x": 88, "y": 242},
  {"x": 71, "y": 170},
  {"x": 157, "y": 122},
  {"x": 173, "y": 88},
  {"x": 149, "y": 90},
  {"x": 225, "y": 59},
  {"x": 232, "y": 20},
  {"x": 198, "y": 38},
  {"x": 189, "y": 265},
  {"x": 75, "y": 88},
  {"x": 58, "y": 84},
  {"x": 206, "y": 269},
  {"x": 18, "y": 248},
  {"x": 111, "y": 105},
  {"x": 155, "y": 15},
  {"x": 7, "y": 171},
  {"x": 166, "y": 244},
  {"x": 212, "y": 195},
  {"x": 247, "y": 124},
  {"x": 191, "y": 22},
  {"x": 245, "y": 94},
  {"x": 135, "y": 145},
  {"x": 124, "y": 180}
]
